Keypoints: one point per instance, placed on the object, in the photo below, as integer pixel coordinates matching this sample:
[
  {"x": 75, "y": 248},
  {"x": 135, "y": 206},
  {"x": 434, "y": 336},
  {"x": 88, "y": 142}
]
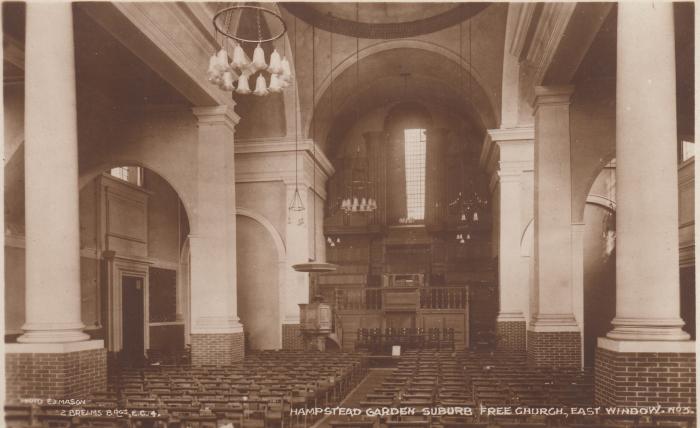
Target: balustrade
[{"x": 363, "y": 298}]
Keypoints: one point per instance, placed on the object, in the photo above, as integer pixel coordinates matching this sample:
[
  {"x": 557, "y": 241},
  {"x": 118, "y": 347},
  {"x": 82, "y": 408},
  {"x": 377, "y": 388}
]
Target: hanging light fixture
[
  {"x": 224, "y": 74},
  {"x": 468, "y": 202},
  {"x": 296, "y": 206},
  {"x": 313, "y": 266},
  {"x": 332, "y": 242},
  {"x": 358, "y": 198}
]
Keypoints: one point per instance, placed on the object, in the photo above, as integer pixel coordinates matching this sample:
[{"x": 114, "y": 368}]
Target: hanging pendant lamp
[
  {"x": 314, "y": 266},
  {"x": 226, "y": 26},
  {"x": 296, "y": 207},
  {"x": 243, "y": 86}
]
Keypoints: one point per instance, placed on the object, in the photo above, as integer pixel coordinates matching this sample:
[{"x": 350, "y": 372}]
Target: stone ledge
[
  {"x": 647, "y": 346},
  {"x": 53, "y": 348}
]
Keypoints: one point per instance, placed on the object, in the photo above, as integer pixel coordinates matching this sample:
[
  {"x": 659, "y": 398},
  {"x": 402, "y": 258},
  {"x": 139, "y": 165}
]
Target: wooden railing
[
  {"x": 358, "y": 298},
  {"x": 363, "y": 298},
  {"x": 443, "y": 297}
]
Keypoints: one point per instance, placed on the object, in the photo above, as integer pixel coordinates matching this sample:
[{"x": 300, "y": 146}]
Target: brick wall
[
  {"x": 644, "y": 379},
  {"x": 55, "y": 375},
  {"x": 554, "y": 349},
  {"x": 511, "y": 335},
  {"x": 291, "y": 337},
  {"x": 217, "y": 349}
]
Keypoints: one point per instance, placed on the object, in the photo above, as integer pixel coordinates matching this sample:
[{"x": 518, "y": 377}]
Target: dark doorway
[{"x": 132, "y": 321}]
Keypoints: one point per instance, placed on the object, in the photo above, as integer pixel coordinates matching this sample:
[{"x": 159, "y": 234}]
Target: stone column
[
  {"x": 216, "y": 333},
  {"x": 515, "y": 156},
  {"x": 296, "y": 289},
  {"x": 45, "y": 362},
  {"x": 554, "y": 338},
  {"x": 647, "y": 335}
]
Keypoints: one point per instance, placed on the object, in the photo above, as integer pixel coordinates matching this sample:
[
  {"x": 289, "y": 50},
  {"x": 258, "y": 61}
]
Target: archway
[
  {"x": 134, "y": 230},
  {"x": 599, "y": 261},
  {"x": 259, "y": 249}
]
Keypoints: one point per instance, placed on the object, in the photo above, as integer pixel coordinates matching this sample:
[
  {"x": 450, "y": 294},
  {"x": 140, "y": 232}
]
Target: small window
[
  {"x": 687, "y": 150},
  {"x": 414, "y": 148},
  {"x": 131, "y": 174}
]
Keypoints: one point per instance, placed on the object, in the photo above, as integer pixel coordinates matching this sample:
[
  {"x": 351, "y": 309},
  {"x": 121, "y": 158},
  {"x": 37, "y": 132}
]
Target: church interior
[{"x": 247, "y": 214}]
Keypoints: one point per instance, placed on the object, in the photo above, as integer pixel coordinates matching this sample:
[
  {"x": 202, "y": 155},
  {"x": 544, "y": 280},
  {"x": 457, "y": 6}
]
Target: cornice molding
[
  {"x": 522, "y": 20},
  {"x": 216, "y": 115},
  {"x": 552, "y": 95},
  {"x": 548, "y": 34},
  {"x": 497, "y": 139},
  {"x": 512, "y": 134},
  {"x": 262, "y": 146}
]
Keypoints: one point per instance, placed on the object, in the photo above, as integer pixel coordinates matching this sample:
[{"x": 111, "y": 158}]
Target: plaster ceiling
[
  {"x": 100, "y": 62},
  {"x": 400, "y": 74},
  {"x": 380, "y": 20}
]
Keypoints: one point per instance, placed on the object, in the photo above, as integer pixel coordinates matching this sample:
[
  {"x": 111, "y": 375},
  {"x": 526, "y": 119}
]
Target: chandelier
[
  {"x": 356, "y": 205},
  {"x": 467, "y": 208},
  {"x": 236, "y": 74},
  {"x": 332, "y": 242},
  {"x": 357, "y": 201}
]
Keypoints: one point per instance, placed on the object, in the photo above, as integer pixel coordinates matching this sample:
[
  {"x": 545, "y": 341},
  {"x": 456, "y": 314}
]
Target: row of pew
[
  {"x": 260, "y": 392},
  {"x": 468, "y": 379},
  {"x": 375, "y": 340}
]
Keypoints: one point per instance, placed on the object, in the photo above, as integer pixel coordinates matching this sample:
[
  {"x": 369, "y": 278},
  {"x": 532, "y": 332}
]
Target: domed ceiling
[{"x": 383, "y": 20}]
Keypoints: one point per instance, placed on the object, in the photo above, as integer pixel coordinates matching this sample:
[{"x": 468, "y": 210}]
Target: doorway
[{"x": 133, "y": 349}]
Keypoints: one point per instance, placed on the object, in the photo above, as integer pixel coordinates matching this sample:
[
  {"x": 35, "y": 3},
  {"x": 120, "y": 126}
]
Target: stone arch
[
  {"x": 281, "y": 259},
  {"x": 488, "y": 114},
  {"x": 274, "y": 234},
  {"x": 189, "y": 205}
]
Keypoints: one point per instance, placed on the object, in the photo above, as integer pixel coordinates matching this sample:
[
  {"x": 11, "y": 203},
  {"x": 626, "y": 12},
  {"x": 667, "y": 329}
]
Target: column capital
[
  {"x": 216, "y": 115},
  {"x": 510, "y": 142},
  {"x": 524, "y": 133},
  {"x": 553, "y": 95}
]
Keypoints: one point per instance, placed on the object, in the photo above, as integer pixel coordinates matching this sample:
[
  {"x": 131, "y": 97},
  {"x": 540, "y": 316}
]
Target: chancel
[{"x": 349, "y": 214}]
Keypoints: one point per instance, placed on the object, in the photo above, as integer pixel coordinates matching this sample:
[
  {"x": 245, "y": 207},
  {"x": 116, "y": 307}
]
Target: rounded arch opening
[
  {"x": 259, "y": 249},
  {"x": 395, "y": 71},
  {"x": 134, "y": 232},
  {"x": 599, "y": 284}
]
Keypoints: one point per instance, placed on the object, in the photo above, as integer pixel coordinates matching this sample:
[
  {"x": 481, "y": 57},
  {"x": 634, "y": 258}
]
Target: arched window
[
  {"x": 414, "y": 155},
  {"x": 131, "y": 174}
]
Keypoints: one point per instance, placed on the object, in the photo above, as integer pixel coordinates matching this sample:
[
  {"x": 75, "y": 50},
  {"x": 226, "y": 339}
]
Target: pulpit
[{"x": 316, "y": 322}]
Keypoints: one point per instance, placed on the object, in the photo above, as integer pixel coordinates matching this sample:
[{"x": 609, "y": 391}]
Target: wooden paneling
[
  {"x": 126, "y": 220},
  {"x": 162, "y": 300},
  {"x": 458, "y": 320},
  {"x": 167, "y": 337},
  {"x": 350, "y": 323},
  {"x": 400, "y": 300}
]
